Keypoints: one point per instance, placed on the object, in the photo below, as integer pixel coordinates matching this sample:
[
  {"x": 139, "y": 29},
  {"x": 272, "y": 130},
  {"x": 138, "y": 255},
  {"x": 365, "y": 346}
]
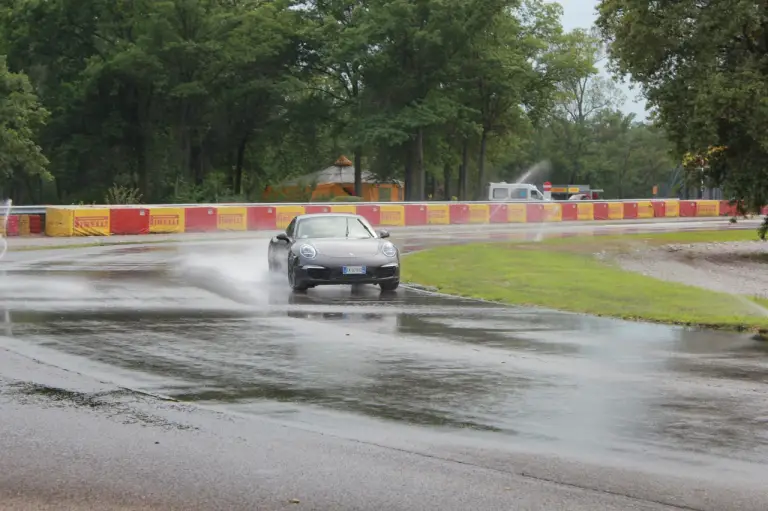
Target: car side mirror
[
  {"x": 383, "y": 233},
  {"x": 283, "y": 237}
]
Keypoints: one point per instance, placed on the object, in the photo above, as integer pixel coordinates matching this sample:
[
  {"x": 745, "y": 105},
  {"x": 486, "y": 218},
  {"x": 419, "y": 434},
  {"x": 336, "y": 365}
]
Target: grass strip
[{"x": 534, "y": 274}]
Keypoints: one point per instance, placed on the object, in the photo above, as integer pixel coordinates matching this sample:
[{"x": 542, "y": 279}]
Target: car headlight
[
  {"x": 389, "y": 250},
  {"x": 308, "y": 251}
]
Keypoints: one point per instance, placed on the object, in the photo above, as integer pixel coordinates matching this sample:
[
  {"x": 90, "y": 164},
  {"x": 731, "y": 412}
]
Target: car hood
[{"x": 346, "y": 247}]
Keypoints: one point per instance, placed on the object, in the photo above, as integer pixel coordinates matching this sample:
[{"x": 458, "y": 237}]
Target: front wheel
[
  {"x": 296, "y": 286},
  {"x": 389, "y": 285}
]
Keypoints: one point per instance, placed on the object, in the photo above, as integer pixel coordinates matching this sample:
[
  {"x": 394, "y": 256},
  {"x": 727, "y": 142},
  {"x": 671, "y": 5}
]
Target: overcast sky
[{"x": 581, "y": 14}]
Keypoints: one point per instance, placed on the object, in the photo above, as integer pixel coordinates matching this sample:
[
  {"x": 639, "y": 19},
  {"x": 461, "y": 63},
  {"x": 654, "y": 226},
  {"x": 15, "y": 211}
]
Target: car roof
[{"x": 321, "y": 215}]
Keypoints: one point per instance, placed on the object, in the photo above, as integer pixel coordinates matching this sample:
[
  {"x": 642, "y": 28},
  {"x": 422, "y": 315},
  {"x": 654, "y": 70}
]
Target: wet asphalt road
[{"x": 349, "y": 399}]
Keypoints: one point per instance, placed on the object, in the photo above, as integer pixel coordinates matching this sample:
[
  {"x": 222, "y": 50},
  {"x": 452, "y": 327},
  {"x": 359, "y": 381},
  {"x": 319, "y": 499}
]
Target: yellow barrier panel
[
  {"x": 517, "y": 213},
  {"x": 231, "y": 218},
  {"x": 284, "y": 215},
  {"x": 438, "y": 214},
  {"x": 645, "y": 209},
  {"x": 479, "y": 214},
  {"x": 392, "y": 216},
  {"x": 672, "y": 208},
  {"x": 615, "y": 211},
  {"x": 553, "y": 213},
  {"x": 707, "y": 208},
  {"x": 585, "y": 211},
  {"x": 59, "y": 222},
  {"x": 91, "y": 222},
  {"x": 166, "y": 220},
  {"x": 24, "y": 225},
  {"x": 344, "y": 209}
]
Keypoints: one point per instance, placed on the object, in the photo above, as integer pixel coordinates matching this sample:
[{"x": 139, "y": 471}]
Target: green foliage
[
  {"x": 702, "y": 68},
  {"x": 199, "y": 101},
  {"x": 118, "y": 194},
  {"x": 21, "y": 116},
  {"x": 347, "y": 198}
]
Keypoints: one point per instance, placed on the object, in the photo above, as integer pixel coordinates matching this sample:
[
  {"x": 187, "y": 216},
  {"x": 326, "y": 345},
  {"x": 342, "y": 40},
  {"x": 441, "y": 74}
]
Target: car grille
[
  {"x": 336, "y": 274},
  {"x": 319, "y": 273}
]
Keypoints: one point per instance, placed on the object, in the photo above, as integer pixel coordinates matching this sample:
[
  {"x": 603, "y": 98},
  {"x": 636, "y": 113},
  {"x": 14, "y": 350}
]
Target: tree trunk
[
  {"x": 447, "y": 182},
  {"x": 408, "y": 175},
  {"x": 481, "y": 167},
  {"x": 359, "y": 171},
  {"x": 420, "y": 174},
  {"x": 237, "y": 182},
  {"x": 141, "y": 165},
  {"x": 463, "y": 172},
  {"x": 432, "y": 186}
]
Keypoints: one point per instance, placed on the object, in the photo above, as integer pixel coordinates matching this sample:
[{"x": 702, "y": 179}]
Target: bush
[{"x": 347, "y": 198}]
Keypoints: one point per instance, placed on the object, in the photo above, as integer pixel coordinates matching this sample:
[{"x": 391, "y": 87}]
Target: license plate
[{"x": 353, "y": 270}]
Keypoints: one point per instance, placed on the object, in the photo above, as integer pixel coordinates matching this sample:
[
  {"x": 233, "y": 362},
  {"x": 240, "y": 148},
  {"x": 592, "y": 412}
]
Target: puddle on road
[{"x": 210, "y": 325}]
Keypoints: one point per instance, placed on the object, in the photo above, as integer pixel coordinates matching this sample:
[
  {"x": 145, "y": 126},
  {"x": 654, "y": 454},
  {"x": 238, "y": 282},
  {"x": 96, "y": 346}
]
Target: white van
[{"x": 513, "y": 192}]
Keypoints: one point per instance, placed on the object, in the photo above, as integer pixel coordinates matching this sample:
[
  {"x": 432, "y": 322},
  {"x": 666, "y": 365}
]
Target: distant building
[{"x": 338, "y": 180}]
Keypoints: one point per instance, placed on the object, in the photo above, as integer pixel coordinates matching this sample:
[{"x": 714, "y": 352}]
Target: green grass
[
  {"x": 665, "y": 238},
  {"x": 566, "y": 279}
]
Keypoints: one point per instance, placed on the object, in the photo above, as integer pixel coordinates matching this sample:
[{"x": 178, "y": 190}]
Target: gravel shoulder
[{"x": 732, "y": 267}]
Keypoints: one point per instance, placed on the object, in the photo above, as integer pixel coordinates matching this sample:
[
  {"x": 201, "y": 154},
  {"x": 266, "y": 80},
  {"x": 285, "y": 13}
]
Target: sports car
[{"x": 334, "y": 249}]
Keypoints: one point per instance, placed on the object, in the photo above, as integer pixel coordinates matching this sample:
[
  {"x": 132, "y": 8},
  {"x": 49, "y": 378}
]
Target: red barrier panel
[
  {"x": 370, "y": 212},
  {"x": 310, "y": 210},
  {"x": 570, "y": 211},
  {"x": 415, "y": 214},
  {"x": 659, "y": 209},
  {"x": 728, "y": 209},
  {"x": 459, "y": 214},
  {"x": 498, "y": 214},
  {"x": 534, "y": 213},
  {"x": 261, "y": 218},
  {"x": 35, "y": 224},
  {"x": 12, "y": 225},
  {"x": 601, "y": 211},
  {"x": 200, "y": 219},
  {"x": 687, "y": 208},
  {"x": 128, "y": 221},
  {"x": 630, "y": 210},
  {"x": 764, "y": 211}
]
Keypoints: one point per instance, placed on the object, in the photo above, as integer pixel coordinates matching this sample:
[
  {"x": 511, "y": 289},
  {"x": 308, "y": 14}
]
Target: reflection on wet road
[{"x": 207, "y": 323}]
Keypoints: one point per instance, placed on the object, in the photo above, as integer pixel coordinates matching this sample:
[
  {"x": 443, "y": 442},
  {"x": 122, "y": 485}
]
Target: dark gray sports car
[{"x": 332, "y": 249}]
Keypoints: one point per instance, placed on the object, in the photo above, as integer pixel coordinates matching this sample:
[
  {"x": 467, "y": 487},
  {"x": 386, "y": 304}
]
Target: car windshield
[{"x": 333, "y": 227}]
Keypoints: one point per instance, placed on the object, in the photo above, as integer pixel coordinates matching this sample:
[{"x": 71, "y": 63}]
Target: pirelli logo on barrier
[
  {"x": 164, "y": 220},
  {"x": 392, "y": 215},
  {"x": 91, "y": 222},
  {"x": 707, "y": 208},
  {"x": 231, "y": 219},
  {"x": 438, "y": 215}
]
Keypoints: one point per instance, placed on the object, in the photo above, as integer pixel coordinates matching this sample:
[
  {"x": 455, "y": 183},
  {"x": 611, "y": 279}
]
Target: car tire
[
  {"x": 295, "y": 286},
  {"x": 390, "y": 285}
]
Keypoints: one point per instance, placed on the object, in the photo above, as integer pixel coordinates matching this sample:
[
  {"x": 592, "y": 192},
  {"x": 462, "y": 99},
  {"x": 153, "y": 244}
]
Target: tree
[
  {"x": 21, "y": 116},
  {"x": 581, "y": 97},
  {"x": 703, "y": 71}
]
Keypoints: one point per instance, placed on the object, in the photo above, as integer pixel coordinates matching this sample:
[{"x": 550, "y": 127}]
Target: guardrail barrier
[{"x": 67, "y": 221}]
